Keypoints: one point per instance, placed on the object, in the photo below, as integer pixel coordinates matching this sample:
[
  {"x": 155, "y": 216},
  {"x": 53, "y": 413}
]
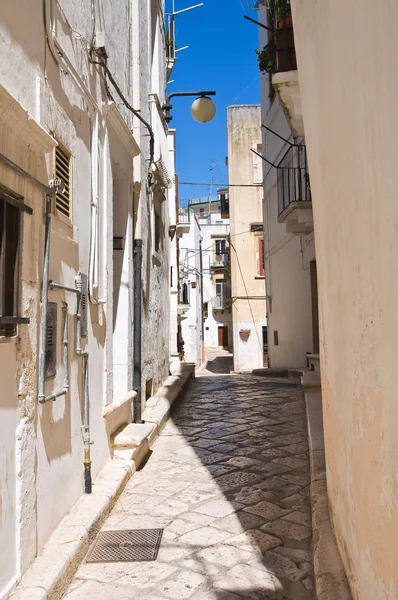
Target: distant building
[
  {"x": 216, "y": 271},
  {"x": 246, "y": 238}
]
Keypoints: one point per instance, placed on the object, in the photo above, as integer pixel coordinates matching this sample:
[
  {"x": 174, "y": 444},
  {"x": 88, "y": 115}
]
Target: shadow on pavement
[{"x": 221, "y": 364}]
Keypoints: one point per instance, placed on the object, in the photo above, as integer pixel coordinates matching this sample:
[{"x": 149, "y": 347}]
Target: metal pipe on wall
[
  {"x": 86, "y": 429},
  {"x": 137, "y": 377},
  {"x": 44, "y": 302}
]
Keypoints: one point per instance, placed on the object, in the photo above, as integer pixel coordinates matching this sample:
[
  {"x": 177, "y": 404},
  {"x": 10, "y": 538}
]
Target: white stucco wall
[
  {"x": 349, "y": 91},
  {"x": 41, "y": 446},
  {"x": 190, "y": 273},
  {"x": 287, "y": 259},
  {"x": 245, "y": 206}
]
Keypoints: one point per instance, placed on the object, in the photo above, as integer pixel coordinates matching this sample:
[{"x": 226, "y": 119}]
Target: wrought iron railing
[{"x": 293, "y": 178}]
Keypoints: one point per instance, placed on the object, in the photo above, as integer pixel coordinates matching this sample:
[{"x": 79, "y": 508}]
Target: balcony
[
  {"x": 222, "y": 299},
  {"x": 183, "y": 222},
  {"x": 220, "y": 261},
  {"x": 183, "y": 298},
  {"x": 223, "y": 198},
  {"x": 278, "y": 58},
  {"x": 294, "y": 192}
]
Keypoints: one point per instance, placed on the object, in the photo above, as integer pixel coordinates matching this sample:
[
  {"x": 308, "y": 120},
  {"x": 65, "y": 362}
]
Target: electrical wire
[
  {"x": 103, "y": 64},
  {"x": 223, "y": 185}
]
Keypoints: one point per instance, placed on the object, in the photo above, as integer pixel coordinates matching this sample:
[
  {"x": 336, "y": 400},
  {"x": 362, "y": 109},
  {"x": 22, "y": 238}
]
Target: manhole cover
[{"x": 134, "y": 545}]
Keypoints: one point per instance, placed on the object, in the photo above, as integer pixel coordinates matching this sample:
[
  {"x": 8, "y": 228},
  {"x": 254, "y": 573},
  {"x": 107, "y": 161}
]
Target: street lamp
[{"x": 203, "y": 108}]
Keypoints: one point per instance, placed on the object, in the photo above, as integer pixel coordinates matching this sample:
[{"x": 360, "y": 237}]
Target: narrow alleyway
[{"x": 228, "y": 481}]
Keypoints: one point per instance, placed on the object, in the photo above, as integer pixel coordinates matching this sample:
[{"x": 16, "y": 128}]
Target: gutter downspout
[
  {"x": 137, "y": 230},
  {"x": 86, "y": 429},
  {"x": 86, "y": 406},
  {"x": 137, "y": 340}
]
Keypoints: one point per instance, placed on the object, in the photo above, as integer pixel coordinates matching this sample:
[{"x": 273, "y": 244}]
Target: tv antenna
[{"x": 171, "y": 47}]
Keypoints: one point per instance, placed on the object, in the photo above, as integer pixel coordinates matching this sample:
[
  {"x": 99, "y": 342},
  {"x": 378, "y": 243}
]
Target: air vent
[
  {"x": 51, "y": 340},
  {"x": 62, "y": 170}
]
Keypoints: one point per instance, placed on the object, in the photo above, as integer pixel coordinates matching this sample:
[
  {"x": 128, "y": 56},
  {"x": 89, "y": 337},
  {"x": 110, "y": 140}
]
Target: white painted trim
[{"x": 120, "y": 126}]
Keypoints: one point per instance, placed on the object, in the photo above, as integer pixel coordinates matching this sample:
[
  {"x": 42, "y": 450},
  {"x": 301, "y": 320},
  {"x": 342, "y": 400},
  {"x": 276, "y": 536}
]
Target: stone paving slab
[{"x": 228, "y": 480}]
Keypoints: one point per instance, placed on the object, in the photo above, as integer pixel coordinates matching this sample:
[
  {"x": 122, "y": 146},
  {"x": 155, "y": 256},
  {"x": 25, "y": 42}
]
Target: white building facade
[
  {"x": 216, "y": 269},
  {"x": 190, "y": 292},
  {"x": 248, "y": 296},
  {"x": 69, "y": 322},
  {"x": 289, "y": 248}
]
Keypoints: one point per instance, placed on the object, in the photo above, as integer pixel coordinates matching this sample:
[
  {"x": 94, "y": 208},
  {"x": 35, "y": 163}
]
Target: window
[
  {"x": 201, "y": 212},
  {"x": 184, "y": 293},
  {"x": 11, "y": 206},
  {"x": 62, "y": 171},
  {"x": 222, "y": 294},
  {"x": 205, "y": 310},
  {"x": 221, "y": 247},
  {"x": 221, "y": 253},
  {"x": 261, "y": 257}
]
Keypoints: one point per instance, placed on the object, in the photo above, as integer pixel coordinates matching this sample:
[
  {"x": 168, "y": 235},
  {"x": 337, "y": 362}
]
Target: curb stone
[
  {"x": 52, "y": 571},
  {"x": 330, "y": 577}
]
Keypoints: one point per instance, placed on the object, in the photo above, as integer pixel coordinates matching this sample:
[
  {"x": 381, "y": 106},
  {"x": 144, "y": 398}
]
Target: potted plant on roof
[
  {"x": 266, "y": 57},
  {"x": 284, "y": 37}
]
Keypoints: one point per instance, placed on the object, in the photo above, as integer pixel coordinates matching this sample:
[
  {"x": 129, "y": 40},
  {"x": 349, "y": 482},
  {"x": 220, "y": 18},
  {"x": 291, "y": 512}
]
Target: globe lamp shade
[{"x": 203, "y": 109}]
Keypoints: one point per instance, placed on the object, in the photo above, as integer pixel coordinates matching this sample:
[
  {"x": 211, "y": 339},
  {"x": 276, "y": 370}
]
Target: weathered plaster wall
[
  {"x": 287, "y": 259},
  {"x": 352, "y": 139},
  {"x": 44, "y": 449},
  {"x": 156, "y": 268},
  {"x": 245, "y": 205}
]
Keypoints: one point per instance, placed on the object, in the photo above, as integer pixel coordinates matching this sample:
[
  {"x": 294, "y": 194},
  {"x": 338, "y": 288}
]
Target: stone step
[
  {"x": 133, "y": 435},
  {"x": 278, "y": 372}
]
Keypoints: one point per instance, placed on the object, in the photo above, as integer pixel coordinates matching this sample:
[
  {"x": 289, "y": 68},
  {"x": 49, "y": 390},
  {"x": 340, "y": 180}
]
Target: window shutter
[{"x": 62, "y": 171}]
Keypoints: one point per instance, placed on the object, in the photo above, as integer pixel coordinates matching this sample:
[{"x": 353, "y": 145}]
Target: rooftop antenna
[
  {"x": 213, "y": 164},
  {"x": 171, "y": 47}
]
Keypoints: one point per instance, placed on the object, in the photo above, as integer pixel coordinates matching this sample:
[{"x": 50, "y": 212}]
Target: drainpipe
[
  {"x": 137, "y": 378},
  {"x": 86, "y": 429},
  {"x": 44, "y": 301},
  {"x": 86, "y": 405}
]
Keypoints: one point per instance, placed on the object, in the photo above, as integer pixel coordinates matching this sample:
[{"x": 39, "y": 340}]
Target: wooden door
[
  {"x": 225, "y": 336},
  {"x": 221, "y": 336}
]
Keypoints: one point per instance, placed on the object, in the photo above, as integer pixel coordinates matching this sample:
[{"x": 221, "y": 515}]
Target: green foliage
[
  {"x": 281, "y": 8},
  {"x": 266, "y": 58}
]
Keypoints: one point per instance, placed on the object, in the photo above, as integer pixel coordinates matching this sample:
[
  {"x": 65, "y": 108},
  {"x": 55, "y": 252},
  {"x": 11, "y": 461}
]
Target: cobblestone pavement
[{"x": 228, "y": 479}]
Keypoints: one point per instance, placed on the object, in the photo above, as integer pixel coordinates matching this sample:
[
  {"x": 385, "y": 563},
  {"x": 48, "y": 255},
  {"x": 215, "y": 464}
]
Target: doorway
[{"x": 223, "y": 336}]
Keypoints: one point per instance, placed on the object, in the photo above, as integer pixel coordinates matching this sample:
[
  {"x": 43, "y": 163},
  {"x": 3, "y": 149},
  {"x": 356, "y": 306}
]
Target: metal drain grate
[{"x": 134, "y": 545}]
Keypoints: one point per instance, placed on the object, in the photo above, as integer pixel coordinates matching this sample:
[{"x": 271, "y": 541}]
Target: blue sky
[{"x": 220, "y": 57}]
